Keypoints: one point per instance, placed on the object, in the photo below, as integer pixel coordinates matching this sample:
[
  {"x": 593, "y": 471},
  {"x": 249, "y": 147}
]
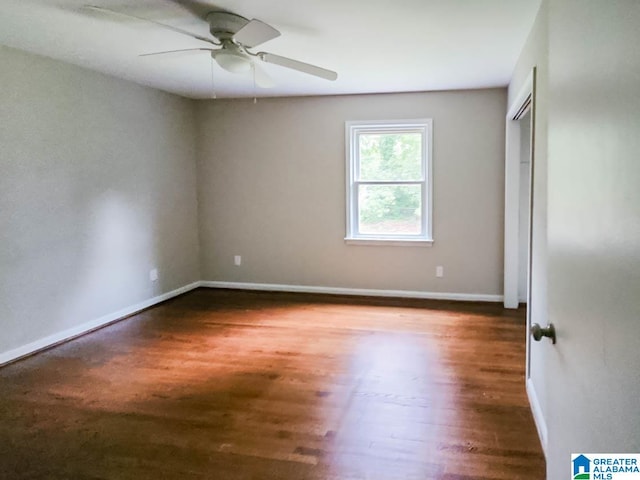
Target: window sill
[{"x": 388, "y": 242}]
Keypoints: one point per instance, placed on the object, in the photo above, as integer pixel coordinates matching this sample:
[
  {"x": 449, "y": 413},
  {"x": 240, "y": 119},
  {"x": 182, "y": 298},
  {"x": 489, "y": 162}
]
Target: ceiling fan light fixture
[{"x": 231, "y": 61}]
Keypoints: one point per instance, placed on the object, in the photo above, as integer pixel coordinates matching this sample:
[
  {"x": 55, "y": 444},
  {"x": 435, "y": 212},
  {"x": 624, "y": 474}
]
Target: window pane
[
  {"x": 390, "y": 209},
  {"x": 390, "y": 156}
]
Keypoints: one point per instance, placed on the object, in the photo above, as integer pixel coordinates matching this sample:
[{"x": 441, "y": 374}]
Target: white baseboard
[
  {"x": 56, "y": 338},
  {"x": 271, "y": 287},
  {"x": 538, "y": 417},
  {"x": 51, "y": 340}
]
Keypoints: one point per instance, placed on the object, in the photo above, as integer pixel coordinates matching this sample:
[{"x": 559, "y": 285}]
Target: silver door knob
[{"x": 538, "y": 332}]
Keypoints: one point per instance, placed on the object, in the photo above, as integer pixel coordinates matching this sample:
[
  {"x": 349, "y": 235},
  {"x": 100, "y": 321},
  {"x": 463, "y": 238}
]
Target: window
[{"x": 389, "y": 182}]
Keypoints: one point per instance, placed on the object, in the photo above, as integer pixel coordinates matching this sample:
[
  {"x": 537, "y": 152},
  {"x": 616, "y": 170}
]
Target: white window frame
[{"x": 353, "y": 129}]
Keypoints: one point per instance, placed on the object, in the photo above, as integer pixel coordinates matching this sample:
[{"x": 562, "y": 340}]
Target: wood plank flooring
[{"x": 220, "y": 384}]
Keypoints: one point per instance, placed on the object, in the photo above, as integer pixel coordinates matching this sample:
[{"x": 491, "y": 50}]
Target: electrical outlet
[
  {"x": 153, "y": 275},
  {"x": 237, "y": 260},
  {"x": 439, "y": 271}
]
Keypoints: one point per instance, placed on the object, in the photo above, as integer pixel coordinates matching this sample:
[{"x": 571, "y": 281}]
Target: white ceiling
[{"x": 374, "y": 45}]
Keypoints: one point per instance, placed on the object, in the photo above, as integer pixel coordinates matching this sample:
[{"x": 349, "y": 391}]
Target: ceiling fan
[{"x": 234, "y": 37}]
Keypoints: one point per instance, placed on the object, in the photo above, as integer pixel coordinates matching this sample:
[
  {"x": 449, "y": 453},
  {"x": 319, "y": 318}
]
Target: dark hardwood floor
[{"x": 220, "y": 384}]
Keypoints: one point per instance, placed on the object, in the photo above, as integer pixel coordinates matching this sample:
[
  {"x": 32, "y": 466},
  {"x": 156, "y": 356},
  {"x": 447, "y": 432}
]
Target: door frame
[{"x": 523, "y": 103}]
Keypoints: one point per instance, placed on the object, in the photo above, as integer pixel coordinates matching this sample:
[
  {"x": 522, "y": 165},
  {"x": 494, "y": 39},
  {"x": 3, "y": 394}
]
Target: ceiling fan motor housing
[{"x": 224, "y": 25}]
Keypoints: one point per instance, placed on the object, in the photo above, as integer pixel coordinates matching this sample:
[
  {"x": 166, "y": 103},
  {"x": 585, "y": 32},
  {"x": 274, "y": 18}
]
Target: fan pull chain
[
  {"x": 213, "y": 85},
  {"x": 253, "y": 70}
]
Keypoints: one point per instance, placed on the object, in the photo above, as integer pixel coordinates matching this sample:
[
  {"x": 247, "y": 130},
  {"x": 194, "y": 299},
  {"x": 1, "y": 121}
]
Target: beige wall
[
  {"x": 271, "y": 180},
  {"x": 97, "y": 188}
]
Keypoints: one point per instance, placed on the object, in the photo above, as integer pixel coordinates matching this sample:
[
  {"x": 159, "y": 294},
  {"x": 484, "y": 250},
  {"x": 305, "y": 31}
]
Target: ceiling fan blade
[
  {"x": 297, "y": 65},
  {"x": 163, "y": 25},
  {"x": 255, "y": 33},
  {"x": 184, "y": 50},
  {"x": 262, "y": 78}
]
